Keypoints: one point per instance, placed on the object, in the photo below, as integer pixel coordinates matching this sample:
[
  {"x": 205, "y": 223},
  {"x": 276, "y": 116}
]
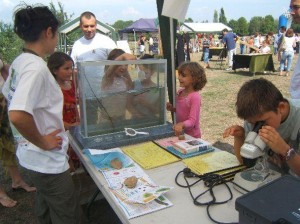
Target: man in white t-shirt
[{"x": 91, "y": 47}]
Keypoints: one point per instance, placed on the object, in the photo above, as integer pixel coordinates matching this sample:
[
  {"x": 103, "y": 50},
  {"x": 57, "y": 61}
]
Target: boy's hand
[
  {"x": 235, "y": 130},
  {"x": 273, "y": 139}
]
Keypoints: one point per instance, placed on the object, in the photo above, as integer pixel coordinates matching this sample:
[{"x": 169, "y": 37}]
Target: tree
[
  {"x": 242, "y": 26},
  {"x": 189, "y": 20},
  {"x": 216, "y": 17},
  {"x": 255, "y": 24},
  {"x": 11, "y": 44},
  {"x": 60, "y": 13},
  {"x": 268, "y": 25},
  {"x": 233, "y": 25},
  {"x": 120, "y": 24},
  {"x": 222, "y": 17}
]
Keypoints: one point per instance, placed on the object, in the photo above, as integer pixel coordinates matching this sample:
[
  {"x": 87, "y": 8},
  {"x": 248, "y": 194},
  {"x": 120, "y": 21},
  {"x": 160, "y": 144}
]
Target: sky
[{"x": 109, "y": 11}]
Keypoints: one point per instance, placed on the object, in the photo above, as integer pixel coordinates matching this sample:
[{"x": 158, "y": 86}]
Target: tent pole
[
  {"x": 134, "y": 42},
  {"x": 173, "y": 67}
]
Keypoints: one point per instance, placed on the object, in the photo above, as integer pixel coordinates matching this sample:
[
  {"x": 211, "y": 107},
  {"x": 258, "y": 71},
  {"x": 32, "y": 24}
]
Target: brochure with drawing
[{"x": 143, "y": 197}]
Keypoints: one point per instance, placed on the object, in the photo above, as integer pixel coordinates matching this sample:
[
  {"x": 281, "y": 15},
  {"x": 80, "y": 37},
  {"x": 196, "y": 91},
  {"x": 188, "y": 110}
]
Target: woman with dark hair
[{"x": 35, "y": 110}]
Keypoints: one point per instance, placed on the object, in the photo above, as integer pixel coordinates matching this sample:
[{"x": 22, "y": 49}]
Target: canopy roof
[
  {"x": 204, "y": 27},
  {"x": 142, "y": 25}
]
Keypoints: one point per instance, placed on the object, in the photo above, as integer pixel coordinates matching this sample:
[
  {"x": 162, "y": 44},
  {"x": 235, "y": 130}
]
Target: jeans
[
  {"x": 286, "y": 56},
  {"x": 206, "y": 57},
  {"x": 242, "y": 48}
]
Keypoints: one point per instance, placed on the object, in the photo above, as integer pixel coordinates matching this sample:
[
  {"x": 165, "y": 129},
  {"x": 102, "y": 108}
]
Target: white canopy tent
[{"x": 204, "y": 27}]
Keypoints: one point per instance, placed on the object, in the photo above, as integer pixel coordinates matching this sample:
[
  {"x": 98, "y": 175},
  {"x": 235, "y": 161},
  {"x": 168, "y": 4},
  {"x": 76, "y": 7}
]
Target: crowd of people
[
  {"x": 256, "y": 43},
  {"x": 41, "y": 104}
]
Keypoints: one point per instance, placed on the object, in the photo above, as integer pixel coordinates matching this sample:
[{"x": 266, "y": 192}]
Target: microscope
[{"x": 255, "y": 159}]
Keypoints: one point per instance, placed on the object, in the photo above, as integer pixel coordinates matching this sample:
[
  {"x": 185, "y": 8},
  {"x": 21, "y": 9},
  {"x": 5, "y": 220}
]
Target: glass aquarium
[{"x": 115, "y": 95}]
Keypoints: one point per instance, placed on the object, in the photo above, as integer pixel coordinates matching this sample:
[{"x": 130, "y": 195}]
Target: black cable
[{"x": 210, "y": 180}]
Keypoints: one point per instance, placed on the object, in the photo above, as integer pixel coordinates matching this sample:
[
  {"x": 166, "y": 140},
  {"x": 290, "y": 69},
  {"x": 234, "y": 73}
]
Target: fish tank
[{"x": 121, "y": 102}]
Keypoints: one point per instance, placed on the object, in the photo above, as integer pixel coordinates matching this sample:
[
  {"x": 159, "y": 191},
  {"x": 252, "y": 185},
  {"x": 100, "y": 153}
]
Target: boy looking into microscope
[{"x": 260, "y": 100}]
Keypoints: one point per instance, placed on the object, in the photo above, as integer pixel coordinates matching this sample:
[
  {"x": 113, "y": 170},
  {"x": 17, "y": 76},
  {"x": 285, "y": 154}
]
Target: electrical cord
[{"x": 210, "y": 180}]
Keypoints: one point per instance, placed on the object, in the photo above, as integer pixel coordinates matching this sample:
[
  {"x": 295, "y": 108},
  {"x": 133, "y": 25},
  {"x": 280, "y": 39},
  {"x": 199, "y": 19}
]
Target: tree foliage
[
  {"x": 120, "y": 24},
  {"x": 222, "y": 17},
  {"x": 216, "y": 16},
  {"x": 60, "y": 13},
  {"x": 11, "y": 44},
  {"x": 189, "y": 20},
  {"x": 242, "y": 26},
  {"x": 255, "y": 24}
]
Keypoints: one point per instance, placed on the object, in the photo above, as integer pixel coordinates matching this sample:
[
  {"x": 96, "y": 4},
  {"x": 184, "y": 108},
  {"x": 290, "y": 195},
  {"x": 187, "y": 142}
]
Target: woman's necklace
[{"x": 26, "y": 50}]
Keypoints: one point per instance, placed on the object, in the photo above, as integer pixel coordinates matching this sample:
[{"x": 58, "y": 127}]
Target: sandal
[{"x": 7, "y": 202}]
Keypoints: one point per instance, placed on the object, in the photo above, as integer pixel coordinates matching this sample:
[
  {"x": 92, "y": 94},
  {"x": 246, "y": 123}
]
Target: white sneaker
[{"x": 228, "y": 69}]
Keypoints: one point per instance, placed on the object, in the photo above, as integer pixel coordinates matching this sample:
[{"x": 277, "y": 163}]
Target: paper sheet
[
  {"x": 212, "y": 161},
  {"x": 148, "y": 155}
]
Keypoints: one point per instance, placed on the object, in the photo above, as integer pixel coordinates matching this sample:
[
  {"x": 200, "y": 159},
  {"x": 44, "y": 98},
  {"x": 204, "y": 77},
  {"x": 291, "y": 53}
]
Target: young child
[
  {"x": 61, "y": 66},
  {"x": 192, "y": 78},
  {"x": 260, "y": 100},
  {"x": 116, "y": 80},
  {"x": 147, "y": 104}
]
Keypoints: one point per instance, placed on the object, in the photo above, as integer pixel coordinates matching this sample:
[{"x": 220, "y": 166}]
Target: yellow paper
[
  {"x": 148, "y": 155},
  {"x": 211, "y": 162}
]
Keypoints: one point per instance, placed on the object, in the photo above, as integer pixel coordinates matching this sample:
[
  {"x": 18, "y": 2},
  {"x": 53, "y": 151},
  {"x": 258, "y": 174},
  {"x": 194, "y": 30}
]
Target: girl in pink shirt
[{"x": 192, "y": 78}]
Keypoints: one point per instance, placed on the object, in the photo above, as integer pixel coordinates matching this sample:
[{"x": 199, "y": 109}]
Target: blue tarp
[{"x": 141, "y": 25}]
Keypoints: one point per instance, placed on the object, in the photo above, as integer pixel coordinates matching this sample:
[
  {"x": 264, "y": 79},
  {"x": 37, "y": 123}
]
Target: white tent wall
[{"x": 204, "y": 27}]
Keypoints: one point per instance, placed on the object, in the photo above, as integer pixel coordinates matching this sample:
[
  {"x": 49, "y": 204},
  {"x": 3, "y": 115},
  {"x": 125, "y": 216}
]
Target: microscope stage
[{"x": 251, "y": 179}]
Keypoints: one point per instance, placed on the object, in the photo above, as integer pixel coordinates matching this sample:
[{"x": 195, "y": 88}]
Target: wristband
[{"x": 290, "y": 154}]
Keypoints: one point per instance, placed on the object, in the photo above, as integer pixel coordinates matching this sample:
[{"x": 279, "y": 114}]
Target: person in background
[
  {"x": 116, "y": 80},
  {"x": 141, "y": 44},
  {"x": 151, "y": 45},
  {"x": 277, "y": 41},
  {"x": 257, "y": 40},
  {"x": 192, "y": 79},
  {"x": 250, "y": 44},
  {"x": 206, "y": 44},
  {"x": 259, "y": 100},
  {"x": 8, "y": 148},
  {"x": 92, "y": 46},
  {"x": 287, "y": 53},
  {"x": 242, "y": 45},
  {"x": 229, "y": 39},
  {"x": 61, "y": 66},
  {"x": 295, "y": 79},
  {"x": 265, "y": 49},
  {"x": 35, "y": 104},
  {"x": 147, "y": 103}
]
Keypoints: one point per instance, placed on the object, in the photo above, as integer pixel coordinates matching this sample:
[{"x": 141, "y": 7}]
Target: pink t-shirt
[{"x": 188, "y": 112}]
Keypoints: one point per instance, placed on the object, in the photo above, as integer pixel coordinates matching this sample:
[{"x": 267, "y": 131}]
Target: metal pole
[{"x": 173, "y": 68}]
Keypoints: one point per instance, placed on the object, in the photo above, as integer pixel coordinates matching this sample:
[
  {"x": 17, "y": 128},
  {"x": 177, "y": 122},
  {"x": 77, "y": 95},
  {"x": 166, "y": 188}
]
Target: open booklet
[{"x": 144, "y": 198}]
